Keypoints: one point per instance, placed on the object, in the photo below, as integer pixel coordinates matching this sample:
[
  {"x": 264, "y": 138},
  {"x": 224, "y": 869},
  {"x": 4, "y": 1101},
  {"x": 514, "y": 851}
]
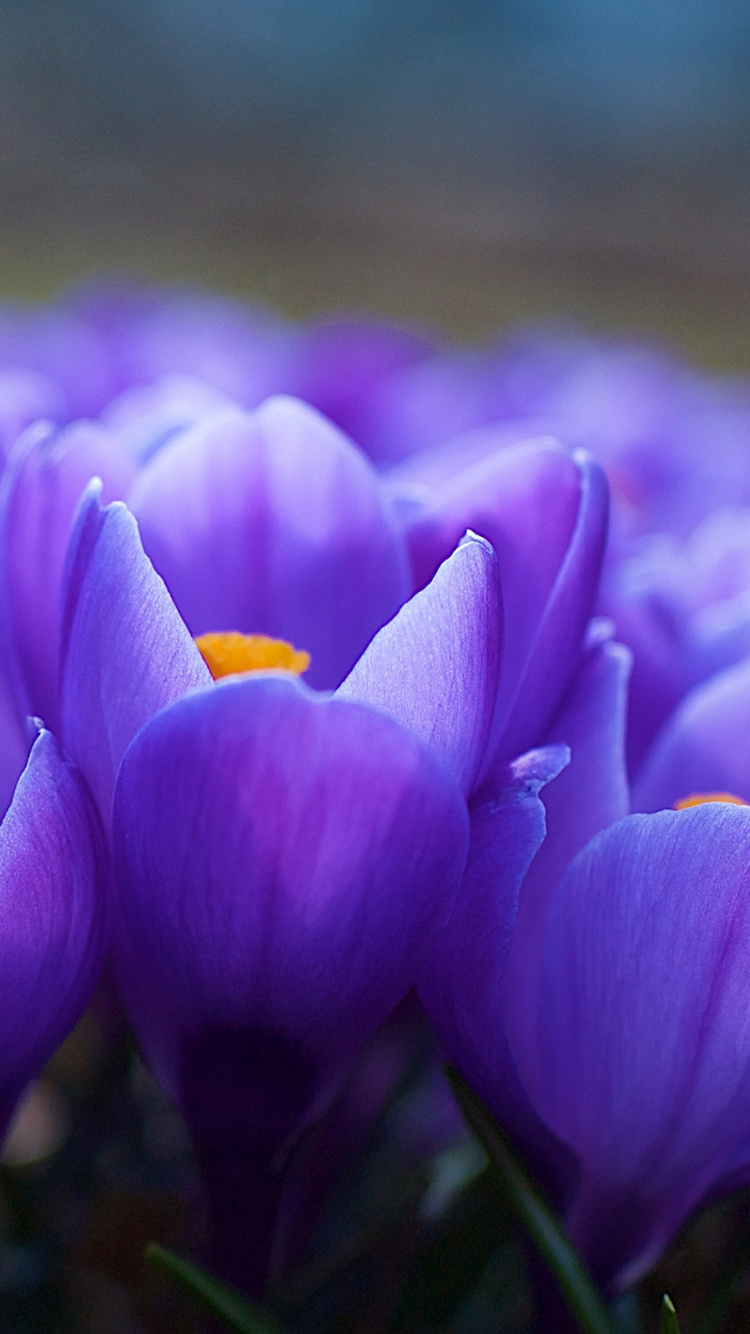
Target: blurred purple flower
[
  {"x": 116, "y": 348},
  {"x": 683, "y": 605}
]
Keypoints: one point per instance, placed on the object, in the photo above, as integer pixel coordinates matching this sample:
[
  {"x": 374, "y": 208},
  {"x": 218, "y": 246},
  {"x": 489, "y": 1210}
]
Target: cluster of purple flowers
[{"x": 444, "y": 803}]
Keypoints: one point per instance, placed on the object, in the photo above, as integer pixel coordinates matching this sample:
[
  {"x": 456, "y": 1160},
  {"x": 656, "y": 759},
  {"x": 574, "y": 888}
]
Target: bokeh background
[{"x": 462, "y": 162}]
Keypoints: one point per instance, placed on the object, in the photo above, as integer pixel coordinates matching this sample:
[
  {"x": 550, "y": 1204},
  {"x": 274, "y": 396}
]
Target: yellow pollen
[
  {"x": 228, "y": 653},
  {"x": 702, "y": 798}
]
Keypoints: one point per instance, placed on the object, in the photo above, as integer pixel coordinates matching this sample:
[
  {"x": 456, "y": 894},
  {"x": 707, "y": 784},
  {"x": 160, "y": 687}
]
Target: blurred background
[{"x": 462, "y": 162}]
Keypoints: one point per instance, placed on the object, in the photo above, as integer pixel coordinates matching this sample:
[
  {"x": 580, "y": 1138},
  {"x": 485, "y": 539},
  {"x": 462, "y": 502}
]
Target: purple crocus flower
[
  {"x": 591, "y": 986},
  {"x": 631, "y": 1039},
  {"x": 412, "y": 729},
  {"x": 272, "y": 522},
  {"x": 674, "y": 445},
  {"x": 282, "y": 858},
  {"x": 269, "y": 522}
]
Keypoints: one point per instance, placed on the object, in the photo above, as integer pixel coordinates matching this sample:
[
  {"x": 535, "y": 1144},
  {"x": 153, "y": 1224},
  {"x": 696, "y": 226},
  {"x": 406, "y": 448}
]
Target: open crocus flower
[
  {"x": 282, "y": 858},
  {"x": 269, "y": 522},
  {"x": 272, "y": 522},
  {"x": 240, "y": 805},
  {"x": 53, "y": 915}
]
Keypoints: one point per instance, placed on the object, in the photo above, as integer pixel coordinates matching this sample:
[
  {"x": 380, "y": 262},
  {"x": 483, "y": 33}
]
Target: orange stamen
[
  {"x": 702, "y": 798},
  {"x": 228, "y": 653}
]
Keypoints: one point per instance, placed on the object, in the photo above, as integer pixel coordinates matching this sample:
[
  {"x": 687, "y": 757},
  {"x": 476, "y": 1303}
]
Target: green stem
[
  {"x": 561, "y": 1258},
  {"x": 223, "y": 1301}
]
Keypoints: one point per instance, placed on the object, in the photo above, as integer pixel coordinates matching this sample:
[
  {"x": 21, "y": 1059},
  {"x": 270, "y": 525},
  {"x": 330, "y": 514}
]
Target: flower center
[
  {"x": 228, "y": 653},
  {"x": 701, "y": 798}
]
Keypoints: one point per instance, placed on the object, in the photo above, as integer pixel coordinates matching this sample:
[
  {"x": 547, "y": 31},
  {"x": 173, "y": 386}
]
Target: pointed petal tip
[
  {"x": 470, "y": 538},
  {"x": 435, "y": 666},
  {"x": 540, "y": 766}
]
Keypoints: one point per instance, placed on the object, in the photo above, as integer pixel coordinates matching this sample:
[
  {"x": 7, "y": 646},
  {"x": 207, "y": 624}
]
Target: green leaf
[
  {"x": 225, "y": 1302},
  {"x": 562, "y": 1259},
  {"x": 668, "y": 1317}
]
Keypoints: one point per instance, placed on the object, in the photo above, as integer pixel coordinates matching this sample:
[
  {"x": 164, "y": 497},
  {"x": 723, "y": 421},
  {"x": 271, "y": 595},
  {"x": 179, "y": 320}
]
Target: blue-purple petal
[
  {"x": 640, "y": 1059},
  {"x": 555, "y": 649},
  {"x": 53, "y": 915},
  {"x": 545, "y": 514},
  {"x": 435, "y": 667},
  {"x": 125, "y": 651},
  {"x": 274, "y": 523},
  {"x": 590, "y": 794},
  {"x": 283, "y": 861},
  {"x": 47, "y": 474},
  {"x": 460, "y": 980}
]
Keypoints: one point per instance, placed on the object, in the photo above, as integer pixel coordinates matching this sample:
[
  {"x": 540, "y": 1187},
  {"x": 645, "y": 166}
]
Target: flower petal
[
  {"x": 283, "y": 860},
  {"x": 14, "y": 744},
  {"x": 53, "y": 928},
  {"x": 590, "y": 794},
  {"x": 125, "y": 651},
  {"x": 42, "y": 487},
  {"x": 640, "y": 1060},
  {"x": 700, "y": 748},
  {"x": 557, "y": 644},
  {"x": 435, "y": 667},
  {"x": 545, "y": 514},
  {"x": 273, "y": 523},
  {"x": 460, "y": 979}
]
